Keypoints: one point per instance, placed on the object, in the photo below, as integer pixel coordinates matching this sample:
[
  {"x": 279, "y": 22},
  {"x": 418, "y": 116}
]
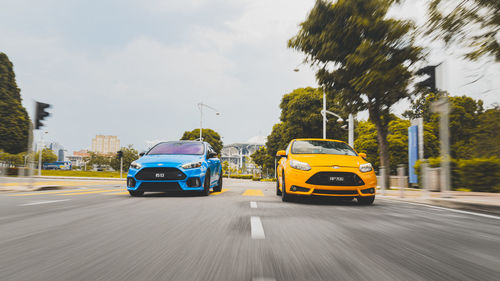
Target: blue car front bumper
[{"x": 191, "y": 181}]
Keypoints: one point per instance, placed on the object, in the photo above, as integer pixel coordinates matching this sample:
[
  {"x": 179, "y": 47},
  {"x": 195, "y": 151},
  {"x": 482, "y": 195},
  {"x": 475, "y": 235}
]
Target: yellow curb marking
[
  {"x": 117, "y": 193},
  {"x": 91, "y": 192},
  {"x": 253, "y": 192},
  {"x": 217, "y": 193},
  {"x": 52, "y": 192}
]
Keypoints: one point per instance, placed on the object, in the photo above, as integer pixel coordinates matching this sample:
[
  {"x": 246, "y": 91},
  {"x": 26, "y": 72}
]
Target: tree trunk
[{"x": 382, "y": 132}]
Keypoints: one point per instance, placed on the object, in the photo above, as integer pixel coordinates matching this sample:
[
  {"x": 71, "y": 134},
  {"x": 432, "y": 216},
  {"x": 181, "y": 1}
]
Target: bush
[
  {"x": 256, "y": 178},
  {"x": 480, "y": 174},
  {"x": 268, "y": 180},
  {"x": 477, "y": 174},
  {"x": 237, "y": 176}
]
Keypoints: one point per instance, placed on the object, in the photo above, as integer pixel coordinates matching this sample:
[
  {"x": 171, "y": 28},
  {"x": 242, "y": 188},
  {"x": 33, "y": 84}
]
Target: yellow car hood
[{"x": 329, "y": 160}]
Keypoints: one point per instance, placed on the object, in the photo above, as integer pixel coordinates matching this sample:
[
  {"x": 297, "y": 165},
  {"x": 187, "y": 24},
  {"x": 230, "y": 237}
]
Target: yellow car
[{"x": 326, "y": 168}]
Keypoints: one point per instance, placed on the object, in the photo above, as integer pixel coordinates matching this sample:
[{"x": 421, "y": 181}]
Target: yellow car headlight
[
  {"x": 299, "y": 165},
  {"x": 365, "y": 168}
]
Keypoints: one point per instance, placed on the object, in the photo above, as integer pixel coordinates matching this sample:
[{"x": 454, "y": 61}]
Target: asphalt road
[{"x": 243, "y": 233}]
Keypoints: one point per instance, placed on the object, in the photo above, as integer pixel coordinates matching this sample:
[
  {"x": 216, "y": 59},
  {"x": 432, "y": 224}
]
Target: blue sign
[{"x": 412, "y": 153}]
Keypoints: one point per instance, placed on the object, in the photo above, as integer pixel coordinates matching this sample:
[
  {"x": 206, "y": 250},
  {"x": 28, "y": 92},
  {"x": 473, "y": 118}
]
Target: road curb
[{"x": 452, "y": 204}]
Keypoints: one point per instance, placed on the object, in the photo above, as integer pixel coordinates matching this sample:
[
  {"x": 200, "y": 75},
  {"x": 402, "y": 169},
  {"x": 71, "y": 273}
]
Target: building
[
  {"x": 238, "y": 156},
  {"x": 58, "y": 150},
  {"x": 105, "y": 144}
]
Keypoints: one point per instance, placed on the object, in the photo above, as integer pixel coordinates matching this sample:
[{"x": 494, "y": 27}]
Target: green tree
[
  {"x": 14, "y": 120},
  {"x": 99, "y": 160},
  {"x": 129, "y": 155},
  {"x": 48, "y": 156},
  {"x": 473, "y": 24},
  {"x": 262, "y": 158},
  {"x": 465, "y": 125},
  {"x": 301, "y": 118},
  {"x": 487, "y": 142},
  {"x": 225, "y": 167},
  {"x": 209, "y": 135},
  {"x": 363, "y": 57},
  {"x": 12, "y": 159}
]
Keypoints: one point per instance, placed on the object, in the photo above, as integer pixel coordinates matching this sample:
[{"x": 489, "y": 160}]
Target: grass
[{"x": 73, "y": 173}]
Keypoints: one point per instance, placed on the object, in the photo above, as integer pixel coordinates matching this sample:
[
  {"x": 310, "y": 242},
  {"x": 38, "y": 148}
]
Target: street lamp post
[
  {"x": 40, "y": 155},
  {"x": 200, "y": 107}
]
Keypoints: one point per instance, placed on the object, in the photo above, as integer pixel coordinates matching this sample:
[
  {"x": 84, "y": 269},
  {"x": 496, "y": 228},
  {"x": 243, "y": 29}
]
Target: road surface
[{"x": 243, "y": 233}]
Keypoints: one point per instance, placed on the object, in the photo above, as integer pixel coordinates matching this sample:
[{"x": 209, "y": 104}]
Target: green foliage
[
  {"x": 476, "y": 174},
  {"x": 362, "y": 55},
  {"x": 480, "y": 174},
  {"x": 225, "y": 167},
  {"x": 209, "y": 135},
  {"x": 12, "y": 159},
  {"x": 473, "y": 131},
  {"x": 301, "y": 118},
  {"x": 473, "y": 24},
  {"x": 14, "y": 120},
  {"x": 262, "y": 158},
  {"x": 129, "y": 155},
  {"x": 73, "y": 173},
  {"x": 239, "y": 176},
  {"x": 99, "y": 160},
  {"x": 48, "y": 156}
]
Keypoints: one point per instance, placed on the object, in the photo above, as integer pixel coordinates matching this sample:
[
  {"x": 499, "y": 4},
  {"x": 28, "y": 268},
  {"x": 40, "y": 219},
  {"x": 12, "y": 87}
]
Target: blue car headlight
[
  {"x": 135, "y": 165},
  {"x": 191, "y": 165}
]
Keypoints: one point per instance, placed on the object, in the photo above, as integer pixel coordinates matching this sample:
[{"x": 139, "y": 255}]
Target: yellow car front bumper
[{"x": 331, "y": 181}]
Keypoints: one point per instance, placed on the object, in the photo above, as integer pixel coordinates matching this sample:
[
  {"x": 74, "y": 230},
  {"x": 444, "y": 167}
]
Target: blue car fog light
[
  {"x": 131, "y": 182},
  {"x": 193, "y": 182}
]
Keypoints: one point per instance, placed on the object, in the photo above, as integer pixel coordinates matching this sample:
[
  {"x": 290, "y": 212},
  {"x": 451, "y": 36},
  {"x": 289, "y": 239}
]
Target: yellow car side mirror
[
  {"x": 363, "y": 155},
  {"x": 281, "y": 153}
]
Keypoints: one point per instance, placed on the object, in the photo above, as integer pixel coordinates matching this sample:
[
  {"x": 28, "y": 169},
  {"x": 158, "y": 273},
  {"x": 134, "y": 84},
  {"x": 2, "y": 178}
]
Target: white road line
[
  {"x": 257, "y": 229},
  {"x": 253, "y": 205},
  {"x": 449, "y": 209},
  {"x": 43, "y": 202}
]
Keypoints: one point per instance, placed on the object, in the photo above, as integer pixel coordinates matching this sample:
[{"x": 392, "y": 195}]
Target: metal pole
[
  {"x": 324, "y": 115},
  {"x": 201, "y": 121},
  {"x": 425, "y": 179},
  {"x": 351, "y": 130},
  {"x": 40, "y": 157},
  {"x": 383, "y": 184},
  {"x": 275, "y": 167},
  {"x": 121, "y": 167}
]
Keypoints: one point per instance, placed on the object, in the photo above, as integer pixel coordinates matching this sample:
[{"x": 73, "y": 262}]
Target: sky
[{"x": 137, "y": 69}]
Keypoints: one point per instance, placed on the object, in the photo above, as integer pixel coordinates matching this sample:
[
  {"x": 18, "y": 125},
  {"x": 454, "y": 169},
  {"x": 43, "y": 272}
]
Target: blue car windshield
[{"x": 190, "y": 148}]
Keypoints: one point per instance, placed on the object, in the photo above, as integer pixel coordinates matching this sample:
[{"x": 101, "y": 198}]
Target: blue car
[{"x": 176, "y": 166}]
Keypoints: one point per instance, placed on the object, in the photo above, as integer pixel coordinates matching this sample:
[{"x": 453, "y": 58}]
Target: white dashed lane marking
[
  {"x": 257, "y": 229},
  {"x": 44, "y": 202},
  {"x": 253, "y": 205}
]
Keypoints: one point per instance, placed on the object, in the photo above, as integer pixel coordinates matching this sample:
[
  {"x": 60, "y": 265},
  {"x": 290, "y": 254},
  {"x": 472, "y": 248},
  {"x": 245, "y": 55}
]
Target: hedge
[
  {"x": 477, "y": 174},
  {"x": 236, "y": 176}
]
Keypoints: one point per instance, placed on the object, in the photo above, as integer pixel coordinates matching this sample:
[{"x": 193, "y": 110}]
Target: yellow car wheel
[
  {"x": 285, "y": 197},
  {"x": 278, "y": 191}
]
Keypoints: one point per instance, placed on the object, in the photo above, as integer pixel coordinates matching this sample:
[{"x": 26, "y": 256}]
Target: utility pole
[
  {"x": 40, "y": 154},
  {"x": 443, "y": 108},
  {"x": 351, "y": 130},
  {"x": 324, "y": 115}
]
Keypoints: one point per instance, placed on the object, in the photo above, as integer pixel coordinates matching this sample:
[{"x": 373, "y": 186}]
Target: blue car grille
[
  {"x": 159, "y": 186},
  {"x": 160, "y": 174}
]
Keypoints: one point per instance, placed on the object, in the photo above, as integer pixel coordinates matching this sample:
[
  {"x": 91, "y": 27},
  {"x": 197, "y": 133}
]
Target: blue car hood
[{"x": 168, "y": 160}]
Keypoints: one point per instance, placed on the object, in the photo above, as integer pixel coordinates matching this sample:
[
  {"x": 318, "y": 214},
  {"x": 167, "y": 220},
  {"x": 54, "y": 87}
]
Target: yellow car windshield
[{"x": 321, "y": 147}]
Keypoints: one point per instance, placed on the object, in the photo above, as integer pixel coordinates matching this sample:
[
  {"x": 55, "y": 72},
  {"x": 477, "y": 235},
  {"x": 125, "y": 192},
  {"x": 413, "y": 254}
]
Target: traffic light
[
  {"x": 429, "y": 83},
  {"x": 119, "y": 154},
  {"x": 40, "y": 114}
]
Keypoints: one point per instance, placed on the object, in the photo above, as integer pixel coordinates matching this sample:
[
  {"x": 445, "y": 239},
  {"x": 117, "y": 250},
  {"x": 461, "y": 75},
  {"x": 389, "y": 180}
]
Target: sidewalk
[
  {"x": 472, "y": 201},
  {"x": 41, "y": 183}
]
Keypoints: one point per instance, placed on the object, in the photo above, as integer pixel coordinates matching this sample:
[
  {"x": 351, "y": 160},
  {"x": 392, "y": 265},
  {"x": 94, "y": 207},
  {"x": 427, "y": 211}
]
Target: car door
[{"x": 214, "y": 165}]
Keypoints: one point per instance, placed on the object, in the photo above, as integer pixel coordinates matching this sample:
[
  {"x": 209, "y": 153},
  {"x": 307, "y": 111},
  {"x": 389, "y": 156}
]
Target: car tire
[
  {"x": 136, "y": 193},
  {"x": 366, "y": 200},
  {"x": 278, "y": 191},
  {"x": 218, "y": 188},
  {"x": 285, "y": 197},
  {"x": 206, "y": 185}
]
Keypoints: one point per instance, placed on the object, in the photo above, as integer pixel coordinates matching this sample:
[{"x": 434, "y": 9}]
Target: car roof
[{"x": 317, "y": 139}]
